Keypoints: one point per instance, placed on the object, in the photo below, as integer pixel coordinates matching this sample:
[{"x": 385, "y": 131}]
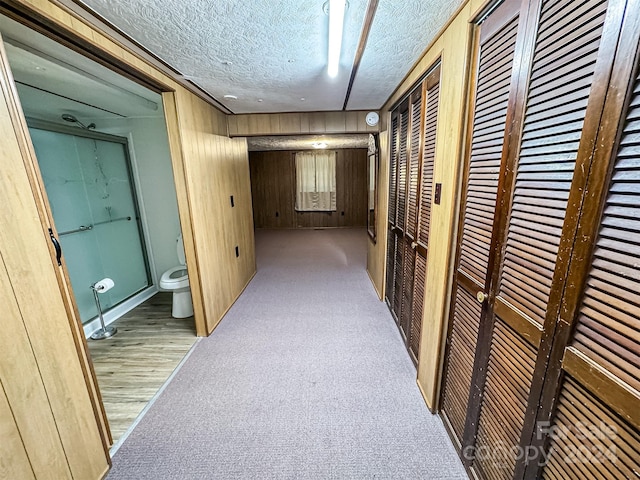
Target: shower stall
[{"x": 88, "y": 179}]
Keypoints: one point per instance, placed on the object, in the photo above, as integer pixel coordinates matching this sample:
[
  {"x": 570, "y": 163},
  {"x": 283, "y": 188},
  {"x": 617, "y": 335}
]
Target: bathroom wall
[{"x": 149, "y": 148}]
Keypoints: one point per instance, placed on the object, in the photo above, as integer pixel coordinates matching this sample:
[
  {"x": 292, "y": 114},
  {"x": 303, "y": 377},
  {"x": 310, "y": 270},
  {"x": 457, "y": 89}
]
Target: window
[{"x": 315, "y": 181}]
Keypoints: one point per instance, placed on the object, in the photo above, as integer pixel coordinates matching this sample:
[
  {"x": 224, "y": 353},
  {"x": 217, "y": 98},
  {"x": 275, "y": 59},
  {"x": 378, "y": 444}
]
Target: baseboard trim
[
  {"x": 425, "y": 398},
  {"x": 217, "y": 322},
  {"x": 374, "y": 285}
]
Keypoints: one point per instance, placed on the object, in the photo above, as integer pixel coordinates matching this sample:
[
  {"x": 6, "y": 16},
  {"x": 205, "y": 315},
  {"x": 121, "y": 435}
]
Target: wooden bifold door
[
  {"x": 413, "y": 135},
  {"x": 542, "y": 365}
]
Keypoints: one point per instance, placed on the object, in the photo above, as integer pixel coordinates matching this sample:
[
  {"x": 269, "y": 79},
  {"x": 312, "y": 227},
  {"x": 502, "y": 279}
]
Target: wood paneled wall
[
  {"x": 49, "y": 424},
  {"x": 299, "y": 123},
  {"x": 452, "y": 47},
  {"x": 376, "y": 262},
  {"x": 273, "y": 186},
  {"x": 50, "y": 411},
  {"x": 216, "y": 168}
]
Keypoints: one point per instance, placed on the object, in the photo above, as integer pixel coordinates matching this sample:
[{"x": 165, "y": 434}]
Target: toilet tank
[{"x": 180, "y": 250}]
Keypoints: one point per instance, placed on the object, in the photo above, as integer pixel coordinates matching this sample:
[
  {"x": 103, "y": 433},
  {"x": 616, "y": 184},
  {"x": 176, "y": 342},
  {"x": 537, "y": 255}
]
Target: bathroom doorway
[
  {"x": 106, "y": 186},
  {"x": 88, "y": 180}
]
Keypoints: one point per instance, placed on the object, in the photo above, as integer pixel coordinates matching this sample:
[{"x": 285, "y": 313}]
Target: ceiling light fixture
[
  {"x": 336, "y": 24},
  {"x": 231, "y": 97}
]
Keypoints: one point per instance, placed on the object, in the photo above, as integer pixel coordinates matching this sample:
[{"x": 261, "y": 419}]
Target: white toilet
[{"x": 176, "y": 280}]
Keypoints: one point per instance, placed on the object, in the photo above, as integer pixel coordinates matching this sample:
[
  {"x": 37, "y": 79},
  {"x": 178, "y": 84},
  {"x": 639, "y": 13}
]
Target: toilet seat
[{"x": 175, "y": 278}]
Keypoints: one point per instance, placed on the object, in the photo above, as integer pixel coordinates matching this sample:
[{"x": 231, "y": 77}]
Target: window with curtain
[{"x": 315, "y": 181}]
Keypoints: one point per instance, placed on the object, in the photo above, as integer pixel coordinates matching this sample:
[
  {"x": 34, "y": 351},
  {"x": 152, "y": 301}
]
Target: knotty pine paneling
[{"x": 273, "y": 185}]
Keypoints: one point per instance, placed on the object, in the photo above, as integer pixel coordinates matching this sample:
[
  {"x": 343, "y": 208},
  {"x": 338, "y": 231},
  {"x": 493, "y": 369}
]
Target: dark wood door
[
  {"x": 525, "y": 195},
  {"x": 391, "y": 220},
  {"x": 413, "y": 133},
  {"x": 413, "y": 148},
  {"x": 397, "y": 210},
  {"x": 540, "y": 159},
  {"x": 497, "y": 41},
  {"x": 587, "y": 412}
]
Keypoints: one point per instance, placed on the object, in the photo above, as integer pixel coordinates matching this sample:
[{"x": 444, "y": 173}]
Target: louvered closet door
[
  {"x": 599, "y": 398},
  {"x": 564, "y": 61},
  {"x": 497, "y": 44},
  {"x": 393, "y": 194},
  {"x": 562, "y": 71},
  {"x": 413, "y": 183},
  {"x": 432, "y": 98},
  {"x": 401, "y": 212}
]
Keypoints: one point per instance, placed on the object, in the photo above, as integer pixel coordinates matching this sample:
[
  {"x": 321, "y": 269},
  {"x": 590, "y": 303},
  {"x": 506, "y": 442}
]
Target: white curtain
[{"x": 316, "y": 181}]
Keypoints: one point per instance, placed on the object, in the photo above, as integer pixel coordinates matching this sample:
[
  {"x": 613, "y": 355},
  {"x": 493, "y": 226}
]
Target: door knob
[
  {"x": 414, "y": 245},
  {"x": 481, "y": 296}
]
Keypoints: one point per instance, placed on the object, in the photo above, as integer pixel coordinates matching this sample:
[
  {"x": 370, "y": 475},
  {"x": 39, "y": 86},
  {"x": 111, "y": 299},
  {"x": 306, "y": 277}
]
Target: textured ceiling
[
  {"x": 400, "y": 33},
  {"x": 304, "y": 142},
  {"x": 271, "y": 54}
]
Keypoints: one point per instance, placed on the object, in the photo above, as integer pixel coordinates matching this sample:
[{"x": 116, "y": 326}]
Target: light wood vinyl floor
[{"x": 132, "y": 365}]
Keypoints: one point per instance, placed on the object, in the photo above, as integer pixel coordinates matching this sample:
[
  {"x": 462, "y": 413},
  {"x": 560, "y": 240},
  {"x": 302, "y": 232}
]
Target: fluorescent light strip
[{"x": 336, "y": 24}]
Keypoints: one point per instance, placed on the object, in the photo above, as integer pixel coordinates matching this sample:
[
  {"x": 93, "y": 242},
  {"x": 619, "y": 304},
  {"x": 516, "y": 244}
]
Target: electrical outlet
[{"x": 438, "y": 194}]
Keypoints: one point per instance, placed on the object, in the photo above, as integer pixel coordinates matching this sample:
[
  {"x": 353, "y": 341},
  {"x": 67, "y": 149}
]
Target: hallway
[{"x": 306, "y": 377}]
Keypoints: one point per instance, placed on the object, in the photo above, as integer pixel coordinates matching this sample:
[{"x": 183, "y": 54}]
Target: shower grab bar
[{"x": 83, "y": 228}]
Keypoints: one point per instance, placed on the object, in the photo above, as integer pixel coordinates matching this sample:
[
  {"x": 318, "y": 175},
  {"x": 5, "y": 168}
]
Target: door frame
[
  {"x": 19, "y": 123},
  {"x": 85, "y": 34},
  {"x": 139, "y": 70}
]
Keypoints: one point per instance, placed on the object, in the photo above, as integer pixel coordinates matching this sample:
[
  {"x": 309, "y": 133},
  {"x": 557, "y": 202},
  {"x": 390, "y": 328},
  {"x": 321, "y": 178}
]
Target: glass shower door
[{"x": 89, "y": 187}]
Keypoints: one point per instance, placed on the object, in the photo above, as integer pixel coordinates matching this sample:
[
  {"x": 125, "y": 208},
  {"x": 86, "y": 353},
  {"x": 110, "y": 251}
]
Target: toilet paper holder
[{"x": 102, "y": 286}]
